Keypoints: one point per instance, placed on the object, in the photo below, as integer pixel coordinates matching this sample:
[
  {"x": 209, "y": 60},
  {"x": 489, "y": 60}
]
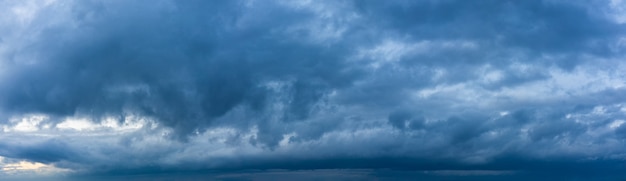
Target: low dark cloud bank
[{"x": 443, "y": 88}]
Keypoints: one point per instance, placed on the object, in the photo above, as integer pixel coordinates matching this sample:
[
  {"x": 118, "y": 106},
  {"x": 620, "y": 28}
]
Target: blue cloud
[{"x": 410, "y": 85}]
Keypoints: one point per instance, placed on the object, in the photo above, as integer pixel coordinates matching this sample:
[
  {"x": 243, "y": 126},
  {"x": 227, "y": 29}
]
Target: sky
[{"x": 319, "y": 90}]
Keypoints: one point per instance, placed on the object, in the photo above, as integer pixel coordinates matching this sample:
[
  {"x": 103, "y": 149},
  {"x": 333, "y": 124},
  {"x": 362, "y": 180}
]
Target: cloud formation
[{"x": 148, "y": 86}]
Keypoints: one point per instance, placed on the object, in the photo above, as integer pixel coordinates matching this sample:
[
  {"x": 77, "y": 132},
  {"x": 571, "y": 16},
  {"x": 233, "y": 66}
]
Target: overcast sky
[{"x": 330, "y": 89}]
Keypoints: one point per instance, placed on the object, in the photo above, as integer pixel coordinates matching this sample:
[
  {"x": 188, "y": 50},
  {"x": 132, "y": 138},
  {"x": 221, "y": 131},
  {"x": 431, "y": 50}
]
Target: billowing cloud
[{"x": 442, "y": 87}]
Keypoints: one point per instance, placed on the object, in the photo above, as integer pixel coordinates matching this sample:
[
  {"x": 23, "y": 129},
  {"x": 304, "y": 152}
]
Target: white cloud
[
  {"x": 77, "y": 124},
  {"x": 618, "y": 8},
  {"x": 390, "y": 51},
  {"x": 83, "y": 124},
  {"x": 22, "y": 168},
  {"x": 26, "y": 123},
  {"x": 616, "y": 124}
]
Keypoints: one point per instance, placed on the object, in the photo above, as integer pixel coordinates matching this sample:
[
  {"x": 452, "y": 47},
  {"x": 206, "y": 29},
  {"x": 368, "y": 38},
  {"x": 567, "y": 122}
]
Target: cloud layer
[{"x": 150, "y": 86}]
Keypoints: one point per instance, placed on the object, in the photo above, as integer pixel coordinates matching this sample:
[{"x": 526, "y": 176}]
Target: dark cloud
[
  {"x": 48, "y": 151},
  {"x": 542, "y": 26},
  {"x": 408, "y": 85},
  {"x": 182, "y": 65}
]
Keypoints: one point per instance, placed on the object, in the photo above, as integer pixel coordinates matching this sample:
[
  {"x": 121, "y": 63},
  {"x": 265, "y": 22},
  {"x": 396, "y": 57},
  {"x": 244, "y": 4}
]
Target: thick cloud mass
[{"x": 113, "y": 87}]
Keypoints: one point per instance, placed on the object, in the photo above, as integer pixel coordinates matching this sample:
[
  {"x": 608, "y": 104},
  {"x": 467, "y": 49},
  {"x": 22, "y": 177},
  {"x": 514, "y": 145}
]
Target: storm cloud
[{"x": 454, "y": 88}]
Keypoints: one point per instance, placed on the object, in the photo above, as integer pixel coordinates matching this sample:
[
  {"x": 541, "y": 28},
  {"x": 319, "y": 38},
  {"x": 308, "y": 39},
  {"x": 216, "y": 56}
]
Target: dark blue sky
[{"x": 354, "y": 90}]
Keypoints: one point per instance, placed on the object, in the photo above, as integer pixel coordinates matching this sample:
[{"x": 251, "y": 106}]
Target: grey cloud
[
  {"x": 48, "y": 151},
  {"x": 537, "y": 25},
  {"x": 406, "y": 119},
  {"x": 419, "y": 85},
  {"x": 173, "y": 63}
]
